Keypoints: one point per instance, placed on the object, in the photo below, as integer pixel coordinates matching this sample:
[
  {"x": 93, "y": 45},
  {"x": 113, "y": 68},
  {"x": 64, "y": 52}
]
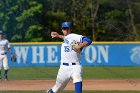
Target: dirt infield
[{"x": 87, "y": 85}]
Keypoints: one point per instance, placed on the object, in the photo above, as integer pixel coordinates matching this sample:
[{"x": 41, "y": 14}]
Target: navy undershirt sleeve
[{"x": 85, "y": 39}]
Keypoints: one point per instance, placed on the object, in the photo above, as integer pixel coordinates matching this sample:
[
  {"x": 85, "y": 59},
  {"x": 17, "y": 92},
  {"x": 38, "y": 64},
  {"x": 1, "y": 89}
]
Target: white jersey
[
  {"x": 4, "y": 44},
  {"x": 68, "y": 55}
]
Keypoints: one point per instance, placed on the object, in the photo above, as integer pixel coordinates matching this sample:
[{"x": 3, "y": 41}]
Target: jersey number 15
[{"x": 67, "y": 49}]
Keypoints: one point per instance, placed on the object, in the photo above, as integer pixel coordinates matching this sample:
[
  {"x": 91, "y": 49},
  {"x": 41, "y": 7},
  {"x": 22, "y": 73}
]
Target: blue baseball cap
[
  {"x": 66, "y": 25},
  {"x": 1, "y": 32}
]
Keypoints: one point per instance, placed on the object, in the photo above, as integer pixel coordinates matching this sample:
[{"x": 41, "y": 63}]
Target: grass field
[
  {"x": 27, "y": 73},
  {"x": 32, "y": 73}
]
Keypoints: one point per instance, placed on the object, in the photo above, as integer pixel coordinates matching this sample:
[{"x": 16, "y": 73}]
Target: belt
[
  {"x": 3, "y": 54},
  {"x": 68, "y": 64}
]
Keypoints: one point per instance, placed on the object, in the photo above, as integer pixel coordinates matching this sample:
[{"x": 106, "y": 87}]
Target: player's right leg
[
  {"x": 58, "y": 87},
  {"x": 61, "y": 81}
]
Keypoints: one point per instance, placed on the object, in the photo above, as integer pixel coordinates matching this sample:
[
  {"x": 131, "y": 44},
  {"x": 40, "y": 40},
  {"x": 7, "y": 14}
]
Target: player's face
[{"x": 65, "y": 31}]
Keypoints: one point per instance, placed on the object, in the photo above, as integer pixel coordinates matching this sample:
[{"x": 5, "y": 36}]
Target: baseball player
[
  {"x": 4, "y": 46},
  {"x": 70, "y": 67}
]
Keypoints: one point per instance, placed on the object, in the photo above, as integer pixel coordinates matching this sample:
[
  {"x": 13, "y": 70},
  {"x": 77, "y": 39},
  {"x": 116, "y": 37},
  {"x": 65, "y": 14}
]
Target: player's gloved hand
[
  {"x": 77, "y": 48},
  {"x": 13, "y": 58},
  {"x": 54, "y": 34}
]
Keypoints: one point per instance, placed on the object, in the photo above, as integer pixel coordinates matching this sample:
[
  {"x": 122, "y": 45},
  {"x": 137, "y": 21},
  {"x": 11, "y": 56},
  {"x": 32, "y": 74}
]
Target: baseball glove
[
  {"x": 13, "y": 58},
  {"x": 74, "y": 44}
]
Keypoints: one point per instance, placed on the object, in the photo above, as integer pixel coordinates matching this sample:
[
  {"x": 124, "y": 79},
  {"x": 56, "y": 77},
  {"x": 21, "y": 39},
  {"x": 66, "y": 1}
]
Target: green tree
[
  {"x": 100, "y": 20},
  {"x": 20, "y": 19},
  {"x": 134, "y": 19}
]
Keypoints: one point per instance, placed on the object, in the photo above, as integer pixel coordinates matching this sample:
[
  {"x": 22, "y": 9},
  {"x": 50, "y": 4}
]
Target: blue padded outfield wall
[{"x": 97, "y": 54}]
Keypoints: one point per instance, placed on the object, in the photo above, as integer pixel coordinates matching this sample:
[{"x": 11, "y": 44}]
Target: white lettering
[
  {"x": 21, "y": 53},
  {"x": 102, "y": 51},
  {"x": 49, "y": 54},
  {"x": 37, "y": 53},
  {"x": 52, "y": 51},
  {"x": 93, "y": 54}
]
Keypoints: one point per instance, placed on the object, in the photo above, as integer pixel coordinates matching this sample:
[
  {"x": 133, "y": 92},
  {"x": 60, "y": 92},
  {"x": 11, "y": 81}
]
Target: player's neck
[{"x": 67, "y": 33}]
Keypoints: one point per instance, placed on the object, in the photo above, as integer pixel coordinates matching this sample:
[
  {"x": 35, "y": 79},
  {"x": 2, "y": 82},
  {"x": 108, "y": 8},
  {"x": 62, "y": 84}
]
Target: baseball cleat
[
  {"x": 6, "y": 79},
  {"x": 48, "y": 91},
  {"x": 0, "y": 79}
]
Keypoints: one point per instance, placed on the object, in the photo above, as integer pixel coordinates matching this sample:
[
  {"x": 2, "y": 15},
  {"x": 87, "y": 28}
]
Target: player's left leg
[
  {"x": 77, "y": 78},
  {"x": 78, "y": 87},
  {"x": 6, "y": 67}
]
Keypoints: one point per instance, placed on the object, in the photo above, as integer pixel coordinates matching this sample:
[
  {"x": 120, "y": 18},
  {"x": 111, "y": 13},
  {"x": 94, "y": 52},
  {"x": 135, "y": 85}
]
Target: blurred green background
[{"x": 100, "y": 20}]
